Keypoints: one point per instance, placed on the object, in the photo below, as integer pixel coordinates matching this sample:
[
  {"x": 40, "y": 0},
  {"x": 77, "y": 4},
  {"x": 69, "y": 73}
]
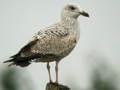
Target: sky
[{"x": 99, "y": 35}]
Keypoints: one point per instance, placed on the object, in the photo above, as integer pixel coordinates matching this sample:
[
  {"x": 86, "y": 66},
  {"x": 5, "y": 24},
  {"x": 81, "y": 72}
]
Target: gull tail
[
  {"x": 25, "y": 61},
  {"x": 18, "y": 61}
]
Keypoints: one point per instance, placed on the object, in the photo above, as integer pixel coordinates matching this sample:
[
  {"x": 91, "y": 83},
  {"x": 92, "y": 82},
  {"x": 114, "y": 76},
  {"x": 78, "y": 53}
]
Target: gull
[{"x": 52, "y": 43}]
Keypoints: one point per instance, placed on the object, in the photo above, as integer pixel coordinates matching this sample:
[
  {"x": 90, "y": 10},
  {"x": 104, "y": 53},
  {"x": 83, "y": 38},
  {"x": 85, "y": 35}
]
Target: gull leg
[
  {"x": 48, "y": 68},
  {"x": 56, "y": 70}
]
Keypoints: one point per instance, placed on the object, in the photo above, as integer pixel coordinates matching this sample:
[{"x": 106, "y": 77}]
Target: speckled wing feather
[
  {"x": 44, "y": 39},
  {"x": 55, "y": 40},
  {"x": 47, "y": 43}
]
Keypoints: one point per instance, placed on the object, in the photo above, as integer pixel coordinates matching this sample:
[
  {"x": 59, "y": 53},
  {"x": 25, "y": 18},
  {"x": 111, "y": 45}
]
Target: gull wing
[{"x": 44, "y": 44}]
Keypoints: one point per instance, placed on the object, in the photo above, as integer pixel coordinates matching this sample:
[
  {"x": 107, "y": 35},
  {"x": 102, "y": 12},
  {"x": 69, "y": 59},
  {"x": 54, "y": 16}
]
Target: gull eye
[{"x": 72, "y": 8}]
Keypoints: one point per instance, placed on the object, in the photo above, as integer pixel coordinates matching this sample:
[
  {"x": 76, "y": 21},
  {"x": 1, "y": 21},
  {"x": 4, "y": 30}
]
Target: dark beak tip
[
  {"x": 85, "y": 14},
  {"x": 88, "y": 15}
]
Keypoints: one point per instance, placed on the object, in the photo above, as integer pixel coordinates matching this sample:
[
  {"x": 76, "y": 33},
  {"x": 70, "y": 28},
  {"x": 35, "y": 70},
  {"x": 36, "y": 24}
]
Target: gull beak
[{"x": 84, "y": 13}]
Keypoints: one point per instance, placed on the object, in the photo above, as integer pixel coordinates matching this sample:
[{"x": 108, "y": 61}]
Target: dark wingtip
[
  {"x": 11, "y": 64},
  {"x": 21, "y": 64},
  {"x": 7, "y": 61}
]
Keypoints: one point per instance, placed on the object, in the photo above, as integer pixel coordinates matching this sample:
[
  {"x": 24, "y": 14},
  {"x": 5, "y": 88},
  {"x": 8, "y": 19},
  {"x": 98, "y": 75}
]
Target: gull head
[{"x": 73, "y": 11}]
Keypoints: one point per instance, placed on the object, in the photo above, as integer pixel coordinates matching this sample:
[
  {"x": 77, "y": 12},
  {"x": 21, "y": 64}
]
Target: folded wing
[{"x": 47, "y": 44}]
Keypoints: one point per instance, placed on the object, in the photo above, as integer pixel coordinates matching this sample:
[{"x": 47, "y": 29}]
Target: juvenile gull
[{"x": 52, "y": 43}]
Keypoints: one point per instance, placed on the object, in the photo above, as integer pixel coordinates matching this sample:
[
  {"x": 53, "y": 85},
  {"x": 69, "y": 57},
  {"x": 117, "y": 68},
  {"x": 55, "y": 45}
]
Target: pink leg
[
  {"x": 48, "y": 68},
  {"x": 56, "y": 69}
]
